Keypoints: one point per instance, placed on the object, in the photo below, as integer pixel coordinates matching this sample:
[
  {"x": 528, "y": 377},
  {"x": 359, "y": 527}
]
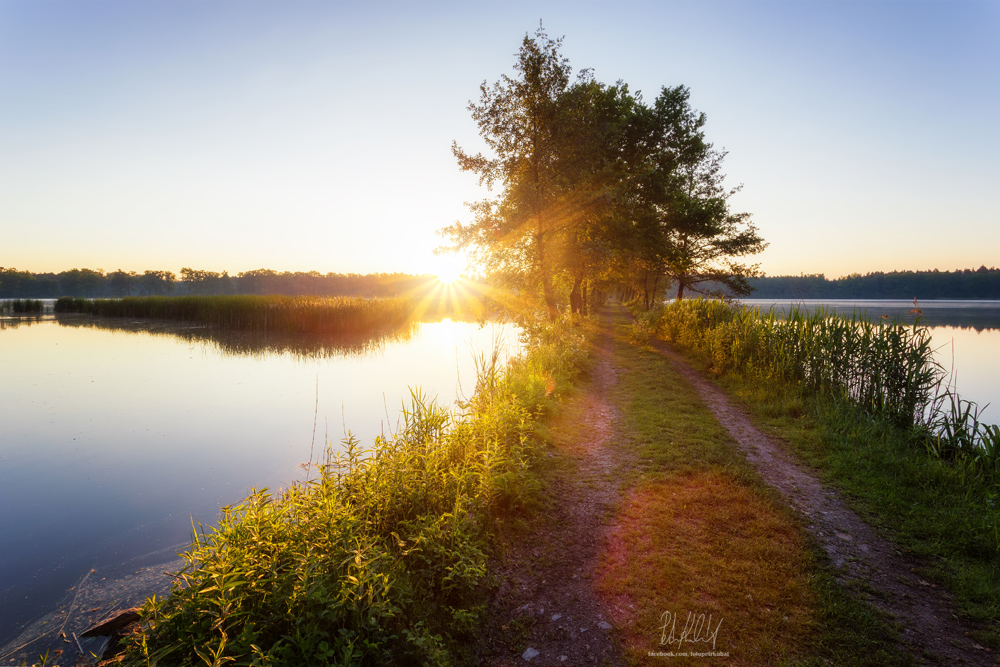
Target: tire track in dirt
[
  {"x": 545, "y": 611},
  {"x": 929, "y": 621}
]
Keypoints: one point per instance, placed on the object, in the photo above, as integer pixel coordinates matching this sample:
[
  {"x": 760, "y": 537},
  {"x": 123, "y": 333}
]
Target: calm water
[
  {"x": 113, "y": 434},
  {"x": 966, "y": 335}
]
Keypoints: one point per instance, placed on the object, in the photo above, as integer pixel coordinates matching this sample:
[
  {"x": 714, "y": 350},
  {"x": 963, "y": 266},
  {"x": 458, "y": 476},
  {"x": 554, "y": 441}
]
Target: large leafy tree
[
  {"x": 515, "y": 236},
  {"x": 596, "y": 186},
  {"x": 595, "y": 153}
]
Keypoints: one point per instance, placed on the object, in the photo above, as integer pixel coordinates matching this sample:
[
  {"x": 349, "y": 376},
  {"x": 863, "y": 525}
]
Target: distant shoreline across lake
[{"x": 981, "y": 283}]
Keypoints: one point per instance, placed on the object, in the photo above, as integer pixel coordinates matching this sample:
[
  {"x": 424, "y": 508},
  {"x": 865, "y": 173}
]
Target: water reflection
[
  {"x": 256, "y": 344},
  {"x": 15, "y": 321},
  {"x": 116, "y": 432}
]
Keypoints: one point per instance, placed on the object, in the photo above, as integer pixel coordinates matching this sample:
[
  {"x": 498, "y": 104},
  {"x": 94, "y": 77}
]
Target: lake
[
  {"x": 115, "y": 433},
  {"x": 965, "y": 334}
]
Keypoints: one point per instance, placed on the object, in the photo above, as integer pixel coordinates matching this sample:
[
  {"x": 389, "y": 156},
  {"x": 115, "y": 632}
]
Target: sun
[
  {"x": 449, "y": 269},
  {"x": 448, "y": 277}
]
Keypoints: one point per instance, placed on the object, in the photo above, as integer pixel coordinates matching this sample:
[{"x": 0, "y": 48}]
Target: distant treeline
[
  {"x": 981, "y": 283},
  {"x": 88, "y": 283}
]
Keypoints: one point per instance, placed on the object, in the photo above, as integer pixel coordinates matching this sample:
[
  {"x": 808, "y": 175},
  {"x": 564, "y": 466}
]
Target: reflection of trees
[{"x": 256, "y": 344}]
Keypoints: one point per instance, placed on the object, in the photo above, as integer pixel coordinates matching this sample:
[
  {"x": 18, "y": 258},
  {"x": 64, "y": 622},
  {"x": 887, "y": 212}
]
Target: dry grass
[{"x": 703, "y": 543}]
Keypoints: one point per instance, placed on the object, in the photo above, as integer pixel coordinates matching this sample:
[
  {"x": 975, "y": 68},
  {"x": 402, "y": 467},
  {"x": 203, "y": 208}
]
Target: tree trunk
[
  {"x": 583, "y": 300},
  {"x": 680, "y": 290},
  {"x": 550, "y": 297},
  {"x": 575, "y": 300}
]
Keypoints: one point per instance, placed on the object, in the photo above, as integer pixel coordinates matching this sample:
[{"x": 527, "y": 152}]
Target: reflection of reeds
[
  {"x": 14, "y": 323},
  {"x": 258, "y": 344}
]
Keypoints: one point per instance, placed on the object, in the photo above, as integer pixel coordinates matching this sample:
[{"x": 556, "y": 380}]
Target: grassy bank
[
  {"x": 346, "y": 315},
  {"x": 862, "y": 403},
  {"x": 382, "y": 557}
]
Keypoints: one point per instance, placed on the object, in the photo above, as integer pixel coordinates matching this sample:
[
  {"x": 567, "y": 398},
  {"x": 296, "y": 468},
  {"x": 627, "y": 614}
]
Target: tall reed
[
  {"x": 21, "y": 306},
  {"x": 257, "y": 313},
  {"x": 885, "y": 369},
  {"x": 382, "y": 557}
]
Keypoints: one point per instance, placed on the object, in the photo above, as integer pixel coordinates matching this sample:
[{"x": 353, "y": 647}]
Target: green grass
[
  {"x": 691, "y": 470},
  {"x": 931, "y": 481},
  {"x": 943, "y": 513},
  {"x": 382, "y": 558}
]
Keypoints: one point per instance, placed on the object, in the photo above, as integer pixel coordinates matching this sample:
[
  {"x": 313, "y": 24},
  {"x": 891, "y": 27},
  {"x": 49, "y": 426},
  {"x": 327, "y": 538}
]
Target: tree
[
  {"x": 121, "y": 283},
  {"x": 153, "y": 283},
  {"x": 685, "y": 228},
  {"x": 514, "y": 237},
  {"x": 704, "y": 236},
  {"x": 81, "y": 282},
  {"x": 597, "y": 186},
  {"x": 594, "y": 157}
]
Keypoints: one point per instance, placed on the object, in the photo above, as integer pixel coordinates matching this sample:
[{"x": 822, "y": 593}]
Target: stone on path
[{"x": 529, "y": 654}]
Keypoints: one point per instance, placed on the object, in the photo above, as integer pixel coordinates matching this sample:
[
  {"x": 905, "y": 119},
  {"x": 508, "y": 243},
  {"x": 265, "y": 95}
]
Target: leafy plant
[{"x": 382, "y": 557}]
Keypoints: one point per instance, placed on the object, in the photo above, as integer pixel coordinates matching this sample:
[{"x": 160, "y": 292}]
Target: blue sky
[{"x": 298, "y": 136}]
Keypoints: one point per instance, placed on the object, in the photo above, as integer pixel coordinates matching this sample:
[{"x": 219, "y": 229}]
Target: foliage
[
  {"x": 381, "y": 559},
  {"x": 517, "y": 118},
  {"x": 885, "y": 369},
  {"x": 97, "y": 284},
  {"x": 682, "y": 217},
  {"x": 597, "y": 188}
]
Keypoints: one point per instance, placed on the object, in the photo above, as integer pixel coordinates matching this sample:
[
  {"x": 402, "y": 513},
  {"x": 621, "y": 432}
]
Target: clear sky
[{"x": 304, "y": 136}]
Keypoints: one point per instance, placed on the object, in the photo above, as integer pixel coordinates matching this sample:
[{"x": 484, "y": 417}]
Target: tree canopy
[{"x": 596, "y": 189}]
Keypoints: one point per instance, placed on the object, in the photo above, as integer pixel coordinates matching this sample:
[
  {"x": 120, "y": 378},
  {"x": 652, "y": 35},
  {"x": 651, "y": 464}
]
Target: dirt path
[
  {"x": 928, "y": 619},
  {"x": 545, "y": 611}
]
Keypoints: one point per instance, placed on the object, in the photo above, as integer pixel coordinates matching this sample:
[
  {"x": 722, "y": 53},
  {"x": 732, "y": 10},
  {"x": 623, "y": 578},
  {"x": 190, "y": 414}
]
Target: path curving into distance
[{"x": 929, "y": 622}]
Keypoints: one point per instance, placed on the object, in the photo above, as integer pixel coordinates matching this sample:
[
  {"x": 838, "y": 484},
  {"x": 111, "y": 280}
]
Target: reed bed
[
  {"x": 886, "y": 369},
  {"x": 343, "y": 315},
  {"x": 382, "y": 557},
  {"x": 19, "y": 306}
]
